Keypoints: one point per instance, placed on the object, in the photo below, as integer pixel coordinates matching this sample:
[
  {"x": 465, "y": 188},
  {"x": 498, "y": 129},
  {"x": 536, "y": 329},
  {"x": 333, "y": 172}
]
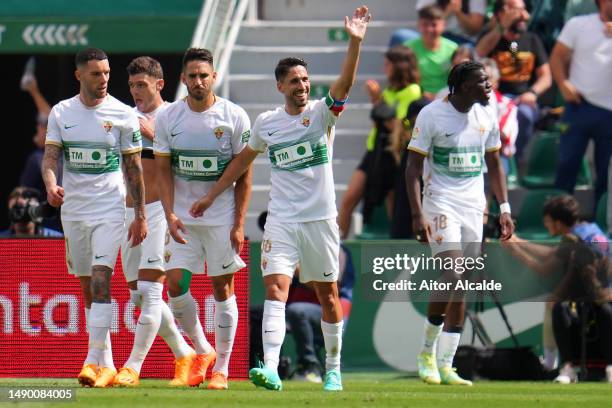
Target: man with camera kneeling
[
  {"x": 582, "y": 295},
  {"x": 26, "y": 212}
]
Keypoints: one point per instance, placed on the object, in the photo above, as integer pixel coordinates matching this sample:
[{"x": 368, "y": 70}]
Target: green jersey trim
[
  {"x": 198, "y": 165},
  {"x": 90, "y": 157}
]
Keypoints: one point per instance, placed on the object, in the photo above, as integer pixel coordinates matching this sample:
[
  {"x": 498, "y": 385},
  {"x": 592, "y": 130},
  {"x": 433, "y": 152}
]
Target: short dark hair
[
  {"x": 284, "y": 65},
  {"x": 405, "y": 69},
  {"x": 498, "y": 6},
  {"x": 24, "y": 192},
  {"x": 432, "y": 12},
  {"x": 563, "y": 208},
  {"x": 145, "y": 65},
  {"x": 460, "y": 73},
  {"x": 197, "y": 54},
  {"x": 89, "y": 54}
]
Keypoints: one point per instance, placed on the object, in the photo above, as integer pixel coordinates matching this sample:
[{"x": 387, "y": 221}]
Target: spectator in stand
[
  {"x": 522, "y": 62},
  {"x": 374, "y": 178},
  {"x": 31, "y": 175},
  {"x": 581, "y": 63},
  {"x": 506, "y": 111},
  {"x": 433, "y": 51},
  {"x": 401, "y": 221},
  {"x": 25, "y": 213},
  {"x": 464, "y": 18}
]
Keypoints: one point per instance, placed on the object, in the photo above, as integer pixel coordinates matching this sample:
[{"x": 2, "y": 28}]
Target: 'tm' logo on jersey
[
  {"x": 108, "y": 125},
  {"x": 219, "y": 133}
]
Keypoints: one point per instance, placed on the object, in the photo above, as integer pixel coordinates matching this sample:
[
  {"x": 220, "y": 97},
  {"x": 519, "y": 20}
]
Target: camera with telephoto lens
[{"x": 31, "y": 209}]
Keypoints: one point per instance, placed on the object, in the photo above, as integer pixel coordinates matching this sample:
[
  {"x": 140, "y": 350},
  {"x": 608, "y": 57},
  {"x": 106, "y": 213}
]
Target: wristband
[
  {"x": 504, "y": 207},
  {"x": 530, "y": 90}
]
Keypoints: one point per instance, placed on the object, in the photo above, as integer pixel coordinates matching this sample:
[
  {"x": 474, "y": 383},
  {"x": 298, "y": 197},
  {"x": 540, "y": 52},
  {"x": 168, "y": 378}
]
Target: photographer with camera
[
  {"x": 582, "y": 297},
  {"x": 26, "y": 213}
]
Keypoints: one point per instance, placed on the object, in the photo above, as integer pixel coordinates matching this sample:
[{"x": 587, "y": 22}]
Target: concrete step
[
  {"x": 307, "y": 33},
  {"x": 397, "y": 10},
  {"x": 247, "y": 59},
  {"x": 355, "y": 116},
  {"x": 343, "y": 169},
  {"x": 262, "y": 88}
]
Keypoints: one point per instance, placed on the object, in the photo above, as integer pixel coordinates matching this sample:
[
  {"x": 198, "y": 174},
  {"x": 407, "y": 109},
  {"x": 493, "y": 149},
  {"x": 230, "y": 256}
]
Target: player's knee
[
  {"x": 179, "y": 283},
  {"x": 275, "y": 292},
  {"x": 221, "y": 290}
]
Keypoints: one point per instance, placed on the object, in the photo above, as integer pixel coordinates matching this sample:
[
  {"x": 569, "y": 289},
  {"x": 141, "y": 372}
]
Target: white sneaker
[
  {"x": 567, "y": 375},
  {"x": 609, "y": 373}
]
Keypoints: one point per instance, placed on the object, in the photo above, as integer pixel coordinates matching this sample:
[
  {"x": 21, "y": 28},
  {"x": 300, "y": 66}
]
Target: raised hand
[{"x": 356, "y": 26}]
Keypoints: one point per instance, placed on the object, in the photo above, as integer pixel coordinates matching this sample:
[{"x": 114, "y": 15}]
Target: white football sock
[
  {"x": 226, "y": 322},
  {"x": 171, "y": 334},
  {"x": 447, "y": 347},
  {"x": 186, "y": 312},
  {"x": 148, "y": 323},
  {"x": 430, "y": 337},
  {"x": 332, "y": 336},
  {"x": 273, "y": 332},
  {"x": 100, "y": 318},
  {"x": 106, "y": 359},
  {"x": 93, "y": 359}
]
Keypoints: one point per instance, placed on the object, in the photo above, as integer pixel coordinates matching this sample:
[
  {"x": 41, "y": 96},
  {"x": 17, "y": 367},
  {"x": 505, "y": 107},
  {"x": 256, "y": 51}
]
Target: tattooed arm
[
  {"x": 55, "y": 193},
  {"x": 135, "y": 185}
]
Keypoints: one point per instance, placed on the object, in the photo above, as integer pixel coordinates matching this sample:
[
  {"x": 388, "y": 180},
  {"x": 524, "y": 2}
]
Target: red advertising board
[{"x": 42, "y": 321}]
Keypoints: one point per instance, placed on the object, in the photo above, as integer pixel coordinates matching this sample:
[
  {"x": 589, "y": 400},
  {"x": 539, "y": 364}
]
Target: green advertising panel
[
  {"x": 63, "y": 26},
  {"x": 385, "y": 332}
]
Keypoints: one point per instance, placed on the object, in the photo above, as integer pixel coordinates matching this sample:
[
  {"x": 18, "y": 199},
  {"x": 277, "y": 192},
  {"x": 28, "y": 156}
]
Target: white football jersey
[
  {"x": 454, "y": 144},
  {"x": 300, "y": 149},
  {"x": 201, "y": 145},
  {"x": 146, "y": 143},
  {"x": 93, "y": 140}
]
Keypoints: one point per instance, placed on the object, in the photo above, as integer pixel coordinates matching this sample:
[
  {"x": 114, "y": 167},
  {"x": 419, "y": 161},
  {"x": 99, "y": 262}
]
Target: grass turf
[{"x": 360, "y": 390}]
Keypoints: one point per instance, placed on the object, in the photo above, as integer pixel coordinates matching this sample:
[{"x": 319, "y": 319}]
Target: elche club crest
[
  {"x": 306, "y": 121},
  {"x": 108, "y": 125},
  {"x": 219, "y": 133}
]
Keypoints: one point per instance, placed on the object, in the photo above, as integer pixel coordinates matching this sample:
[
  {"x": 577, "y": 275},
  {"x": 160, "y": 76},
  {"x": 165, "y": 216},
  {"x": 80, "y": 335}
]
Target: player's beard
[
  {"x": 198, "y": 96},
  {"x": 519, "y": 26}
]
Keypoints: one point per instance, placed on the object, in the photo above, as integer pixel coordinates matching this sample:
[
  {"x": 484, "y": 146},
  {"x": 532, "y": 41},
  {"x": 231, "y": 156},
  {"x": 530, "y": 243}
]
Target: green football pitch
[{"x": 360, "y": 390}]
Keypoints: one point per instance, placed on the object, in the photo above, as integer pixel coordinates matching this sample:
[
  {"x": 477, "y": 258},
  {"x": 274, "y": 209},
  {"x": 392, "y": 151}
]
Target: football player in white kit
[
  {"x": 301, "y": 225},
  {"x": 195, "y": 139},
  {"x": 98, "y": 136},
  {"x": 451, "y": 138},
  {"x": 143, "y": 265}
]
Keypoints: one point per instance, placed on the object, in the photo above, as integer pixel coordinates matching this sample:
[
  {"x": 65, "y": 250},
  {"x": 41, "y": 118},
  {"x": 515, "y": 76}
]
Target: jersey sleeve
[
  {"x": 161, "y": 142},
  {"x": 242, "y": 131},
  {"x": 329, "y": 118},
  {"x": 422, "y": 134},
  {"x": 568, "y": 34},
  {"x": 54, "y": 136},
  {"x": 493, "y": 142},
  {"x": 255, "y": 140},
  {"x": 131, "y": 139}
]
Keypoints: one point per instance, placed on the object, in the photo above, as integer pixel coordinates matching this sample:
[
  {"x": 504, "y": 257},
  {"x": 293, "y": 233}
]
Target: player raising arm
[{"x": 301, "y": 225}]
